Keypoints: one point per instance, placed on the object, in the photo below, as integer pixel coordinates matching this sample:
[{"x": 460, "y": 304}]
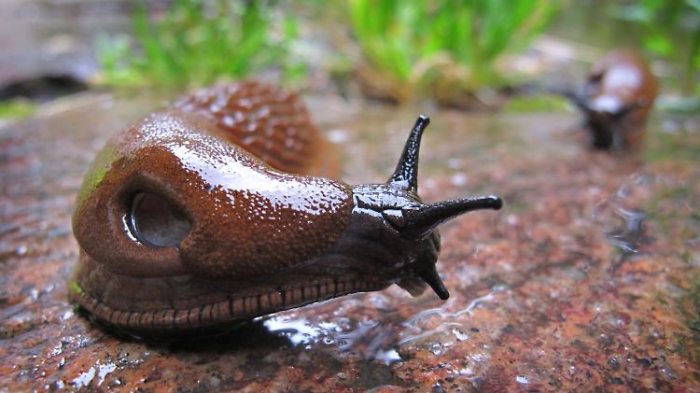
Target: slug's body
[
  {"x": 186, "y": 221},
  {"x": 616, "y": 99}
]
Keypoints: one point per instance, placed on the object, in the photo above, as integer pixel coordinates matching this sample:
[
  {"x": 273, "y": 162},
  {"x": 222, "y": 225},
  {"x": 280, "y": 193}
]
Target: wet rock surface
[
  {"x": 41, "y": 38},
  {"x": 588, "y": 278}
]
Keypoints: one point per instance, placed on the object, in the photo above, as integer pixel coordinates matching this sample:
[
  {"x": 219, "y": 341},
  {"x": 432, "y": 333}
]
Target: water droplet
[
  {"x": 337, "y": 136},
  {"x": 459, "y": 180},
  {"x": 460, "y": 335},
  {"x": 83, "y": 380}
]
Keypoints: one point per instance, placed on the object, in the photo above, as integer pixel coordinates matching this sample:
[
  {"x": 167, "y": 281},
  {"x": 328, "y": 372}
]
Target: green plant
[
  {"x": 443, "y": 47},
  {"x": 671, "y": 30},
  {"x": 16, "y": 109},
  {"x": 199, "y": 41}
]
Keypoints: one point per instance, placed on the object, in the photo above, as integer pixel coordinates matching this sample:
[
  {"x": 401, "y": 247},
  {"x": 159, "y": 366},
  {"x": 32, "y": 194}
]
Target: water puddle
[
  {"x": 378, "y": 340},
  {"x": 87, "y": 378},
  {"x": 368, "y": 340}
]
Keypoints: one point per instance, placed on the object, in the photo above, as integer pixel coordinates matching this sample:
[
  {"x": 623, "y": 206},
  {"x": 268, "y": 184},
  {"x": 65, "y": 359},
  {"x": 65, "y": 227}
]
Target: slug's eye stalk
[
  {"x": 406, "y": 174},
  {"x": 422, "y": 222},
  {"x": 419, "y": 221}
]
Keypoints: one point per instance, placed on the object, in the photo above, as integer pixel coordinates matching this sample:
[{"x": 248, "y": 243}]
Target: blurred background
[{"x": 469, "y": 55}]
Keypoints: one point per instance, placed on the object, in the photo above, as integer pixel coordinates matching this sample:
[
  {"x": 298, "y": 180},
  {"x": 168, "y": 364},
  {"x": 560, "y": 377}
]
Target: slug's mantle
[{"x": 187, "y": 221}]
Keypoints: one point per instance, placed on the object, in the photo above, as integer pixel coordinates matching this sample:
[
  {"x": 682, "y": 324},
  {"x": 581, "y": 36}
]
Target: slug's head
[{"x": 393, "y": 224}]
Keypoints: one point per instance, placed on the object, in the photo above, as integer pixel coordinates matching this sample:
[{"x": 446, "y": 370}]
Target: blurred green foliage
[
  {"x": 197, "y": 42},
  {"x": 16, "y": 109},
  {"x": 537, "y": 103},
  {"x": 442, "y": 48},
  {"x": 671, "y": 30}
]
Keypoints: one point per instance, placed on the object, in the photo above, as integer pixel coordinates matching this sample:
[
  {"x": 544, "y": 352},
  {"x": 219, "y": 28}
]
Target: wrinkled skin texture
[
  {"x": 618, "y": 95},
  {"x": 186, "y": 222}
]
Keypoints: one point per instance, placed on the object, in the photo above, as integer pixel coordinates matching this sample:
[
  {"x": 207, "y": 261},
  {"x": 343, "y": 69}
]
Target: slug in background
[
  {"x": 186, "y": 220},
  {"x": 616, "y": 99}
]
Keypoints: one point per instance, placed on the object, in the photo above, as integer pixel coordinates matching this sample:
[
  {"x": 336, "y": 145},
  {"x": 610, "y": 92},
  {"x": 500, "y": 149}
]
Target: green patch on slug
[
  {"x": 75, "y": 288},
  {"x": 96, "y": 173}
]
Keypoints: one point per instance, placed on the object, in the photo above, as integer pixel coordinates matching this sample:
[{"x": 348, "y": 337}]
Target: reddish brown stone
[{"x": 558, "y": 291}]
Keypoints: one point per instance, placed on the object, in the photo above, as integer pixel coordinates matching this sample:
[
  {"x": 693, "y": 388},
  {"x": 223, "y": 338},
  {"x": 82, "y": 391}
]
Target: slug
[
  {"x": 616, "y": 100},
  {"x": 208, "y": 213}
]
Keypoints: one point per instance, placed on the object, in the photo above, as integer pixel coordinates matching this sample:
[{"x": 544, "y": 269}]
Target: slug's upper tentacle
[{"x": 406, "y": 173}]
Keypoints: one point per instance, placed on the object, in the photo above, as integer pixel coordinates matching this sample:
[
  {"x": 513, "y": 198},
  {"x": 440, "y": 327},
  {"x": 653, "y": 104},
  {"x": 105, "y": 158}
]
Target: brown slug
[
  {"x": 186, "y": 220},
  {"x": 616, "y": 99}
]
